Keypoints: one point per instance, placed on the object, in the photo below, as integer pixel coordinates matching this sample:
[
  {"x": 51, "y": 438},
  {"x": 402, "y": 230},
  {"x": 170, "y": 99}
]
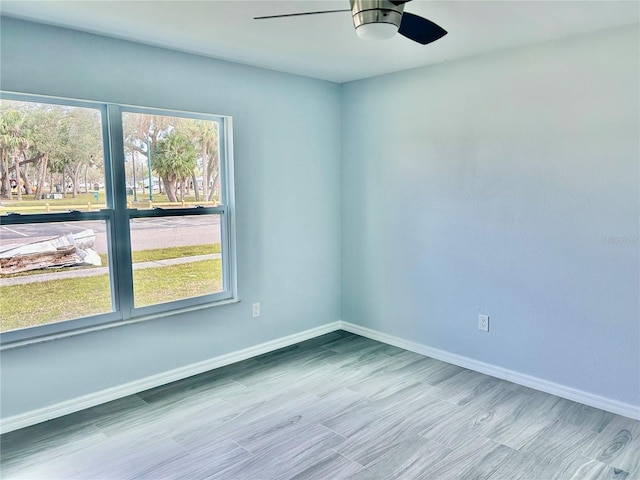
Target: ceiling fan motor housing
[{"x": 383, "y": 12}]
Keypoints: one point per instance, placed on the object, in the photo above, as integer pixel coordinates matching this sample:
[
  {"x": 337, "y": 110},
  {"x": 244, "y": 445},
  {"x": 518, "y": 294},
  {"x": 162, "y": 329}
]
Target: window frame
[{"x": 117, "y": 217}]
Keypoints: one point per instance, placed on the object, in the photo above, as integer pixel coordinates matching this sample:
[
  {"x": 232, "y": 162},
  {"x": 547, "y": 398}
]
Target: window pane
[
  {"x": 177, "y": 157},
  {"x": 51, "y": 272},
  {"x": 55, "y": 270},
  {"x": 175, "y": 258},
  {"x": 54, "y": 158}
]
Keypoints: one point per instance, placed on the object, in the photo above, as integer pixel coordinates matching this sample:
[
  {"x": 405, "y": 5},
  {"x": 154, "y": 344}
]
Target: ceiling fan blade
[
  {"x": 420, "y": 29},
  {"x": 298, "y": 14}
]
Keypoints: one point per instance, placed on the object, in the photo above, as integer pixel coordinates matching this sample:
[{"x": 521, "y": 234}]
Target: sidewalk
[{"x": 92, "y": 272}]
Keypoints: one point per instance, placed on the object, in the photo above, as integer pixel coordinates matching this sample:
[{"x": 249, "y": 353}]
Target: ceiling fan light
[
  {"x": 376, "y": 19},
  {"x": 377, "y": 31}
]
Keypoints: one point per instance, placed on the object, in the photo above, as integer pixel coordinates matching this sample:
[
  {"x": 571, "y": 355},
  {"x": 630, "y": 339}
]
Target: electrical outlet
[
  {"x": 255, "y": 310},
  {"x": 483, "y": 323}
]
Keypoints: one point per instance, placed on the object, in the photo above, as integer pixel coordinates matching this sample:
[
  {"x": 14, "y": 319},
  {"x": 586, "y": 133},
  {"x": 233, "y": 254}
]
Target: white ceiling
[{"x": 325, "y": 46}]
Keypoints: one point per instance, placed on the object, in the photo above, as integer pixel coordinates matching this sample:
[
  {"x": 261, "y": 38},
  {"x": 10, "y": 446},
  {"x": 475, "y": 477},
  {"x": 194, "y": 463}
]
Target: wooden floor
[{"x": 338, "y": 406}]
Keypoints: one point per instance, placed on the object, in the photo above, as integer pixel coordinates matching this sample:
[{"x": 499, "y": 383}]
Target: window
[{"x": 109, "y": 213}]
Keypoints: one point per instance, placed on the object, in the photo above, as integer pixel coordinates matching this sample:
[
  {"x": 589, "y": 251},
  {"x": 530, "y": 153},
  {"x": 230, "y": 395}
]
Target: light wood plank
[{"x": 335, "y": 407}]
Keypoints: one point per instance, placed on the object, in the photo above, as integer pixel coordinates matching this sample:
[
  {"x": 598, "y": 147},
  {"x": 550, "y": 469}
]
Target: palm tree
[
  {"x": 204, "y": 135},
  {"x": 174, "y": 159}
]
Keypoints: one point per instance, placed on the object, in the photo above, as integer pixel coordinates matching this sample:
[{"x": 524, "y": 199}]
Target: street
[{"x": 146, "y": 233}]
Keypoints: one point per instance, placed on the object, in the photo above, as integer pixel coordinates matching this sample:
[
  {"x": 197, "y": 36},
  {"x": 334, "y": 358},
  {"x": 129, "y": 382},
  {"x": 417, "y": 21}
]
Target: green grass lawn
[
  {"x": 153, "y": 255},
  {"x": 165, "y": 284},
  {"x": 30, "y": 205},
  {"x": 44, "y": 302}
]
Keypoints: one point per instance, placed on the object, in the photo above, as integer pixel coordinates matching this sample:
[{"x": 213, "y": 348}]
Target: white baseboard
[
  {"x": 91, "y": 400},
  {"x": 603, "y": 403}
]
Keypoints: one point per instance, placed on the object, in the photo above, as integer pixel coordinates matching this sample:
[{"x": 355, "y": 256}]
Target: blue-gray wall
[
  {"x": 287, "y": 153},
  {"x": 506, "y": 185}
]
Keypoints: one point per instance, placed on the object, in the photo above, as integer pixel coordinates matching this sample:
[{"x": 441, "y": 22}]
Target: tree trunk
[
  {"x": 194, "y": 179},
  {"x": 205, "y": 173},
  {"x": 42, "y": 174},
  {"x": 5, "y": 188},
  {"x": 214, "y": 171},
  {"x": 212, "y": 192},
  {"x": 170, "y": 188},
  {"x": 2, "y": 155},
  {"x": 64, "y": 182},
  {"x": 183, "y": 186},
  {"x": 76, "y": 180},
  {"x": 16, "y": 166},
  {"x": 28, "y": 188}
]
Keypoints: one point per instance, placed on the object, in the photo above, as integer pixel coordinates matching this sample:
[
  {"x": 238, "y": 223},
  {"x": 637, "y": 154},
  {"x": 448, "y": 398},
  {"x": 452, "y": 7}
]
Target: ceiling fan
[{"x": 382, "y": 19}]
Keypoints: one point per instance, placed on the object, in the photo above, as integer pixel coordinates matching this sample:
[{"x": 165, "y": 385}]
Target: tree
[
  {"x": 7, "y": 122},
  {"x": 84, "y": 143},
  {"x": 42, "y": 121},
  {"x": 204, "y": 134},
  {"x": 64, "y": 140},
  {"x": 55, "y": 141},
  {"x": 174, "y": 159},
  {"x": 142, "y": 131},
  {"x": 14, "y": 140}
]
